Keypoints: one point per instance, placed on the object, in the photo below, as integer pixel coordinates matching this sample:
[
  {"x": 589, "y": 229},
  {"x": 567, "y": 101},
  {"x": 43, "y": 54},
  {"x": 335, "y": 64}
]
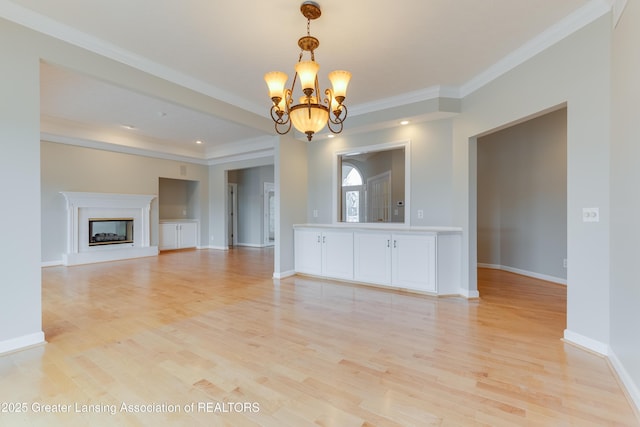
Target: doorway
[
  {"x": 232, "y": 215},
  {"x": 521, "y": 207}
]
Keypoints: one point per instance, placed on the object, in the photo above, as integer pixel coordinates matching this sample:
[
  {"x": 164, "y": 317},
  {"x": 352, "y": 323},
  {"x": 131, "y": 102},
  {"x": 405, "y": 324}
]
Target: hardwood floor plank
[{"x": 206, "y": 330}]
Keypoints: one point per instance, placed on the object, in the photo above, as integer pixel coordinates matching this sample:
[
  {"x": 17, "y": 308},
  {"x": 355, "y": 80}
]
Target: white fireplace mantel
[{"x": 82, "y": 206}]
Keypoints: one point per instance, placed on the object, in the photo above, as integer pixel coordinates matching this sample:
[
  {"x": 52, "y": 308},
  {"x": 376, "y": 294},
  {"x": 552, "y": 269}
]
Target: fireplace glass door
[{"x": 110, "y": 231}]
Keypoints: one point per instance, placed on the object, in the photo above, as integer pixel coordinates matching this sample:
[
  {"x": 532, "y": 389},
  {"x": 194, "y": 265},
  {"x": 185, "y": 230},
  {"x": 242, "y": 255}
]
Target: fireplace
[
  {"x": 107, "y": 227},
  {"x": 110, "y": 231}
]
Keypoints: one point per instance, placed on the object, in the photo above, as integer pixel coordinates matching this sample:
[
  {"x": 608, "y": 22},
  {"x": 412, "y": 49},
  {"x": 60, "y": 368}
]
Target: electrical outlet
[
  {"x": 590, "y": 214},
  {"x": 315, "y": 213},
  {"x": 564, "y": 263},
  {"x": 420, "y": 214}
]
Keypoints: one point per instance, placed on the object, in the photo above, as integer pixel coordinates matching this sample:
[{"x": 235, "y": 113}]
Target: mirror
[{"x": 372, "y": 184}]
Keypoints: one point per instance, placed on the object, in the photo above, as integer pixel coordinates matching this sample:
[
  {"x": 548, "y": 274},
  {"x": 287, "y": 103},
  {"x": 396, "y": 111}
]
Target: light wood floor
[{"x": 207, "y": 328}]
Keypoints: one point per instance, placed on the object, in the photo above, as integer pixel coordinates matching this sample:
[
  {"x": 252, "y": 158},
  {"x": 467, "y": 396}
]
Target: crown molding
[
  {"x": 247, "y": 150},
  {"x": 241, "y": 147},
  {"x": 55, "y": 29},
  {"x": 404, "y": 99},
  {"x": 117, "y": 148},
  {"x": 593, "y": 10},
  {"x": 267, "y": 153},
  {"x": 565, "y": 27}
]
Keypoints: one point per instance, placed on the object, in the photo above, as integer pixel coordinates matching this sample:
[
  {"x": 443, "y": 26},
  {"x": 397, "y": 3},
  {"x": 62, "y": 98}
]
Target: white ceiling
[{"x": 397, "y": 51}]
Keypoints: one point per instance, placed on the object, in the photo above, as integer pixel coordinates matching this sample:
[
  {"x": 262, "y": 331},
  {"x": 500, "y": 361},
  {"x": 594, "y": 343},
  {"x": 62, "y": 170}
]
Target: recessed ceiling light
[
  {"x": 198, "y": 142},
  {"x": 331, "y": 135},
  {"x": 130, "y": 127},
  {"x": 404, "y": 122}
]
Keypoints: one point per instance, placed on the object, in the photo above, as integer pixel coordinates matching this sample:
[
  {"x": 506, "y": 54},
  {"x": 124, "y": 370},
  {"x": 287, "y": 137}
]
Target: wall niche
[{"x": 178, "y": 199}]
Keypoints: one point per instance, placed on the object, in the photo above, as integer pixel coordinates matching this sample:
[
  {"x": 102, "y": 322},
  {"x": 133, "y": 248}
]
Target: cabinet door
[
  {"x": 188, "y": 234},
  {"x": 308, "y": 251},
  {"x": 168, "y": 236},
  {"x": 414, "y": 261},
  {"x": 337, "y": 254},
  {"x": 372, "y": 257}
]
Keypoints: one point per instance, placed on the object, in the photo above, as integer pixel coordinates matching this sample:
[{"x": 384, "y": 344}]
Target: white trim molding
[
  {"x": 553, "y": 279},
  {"x": 469, "y": 294},
  {"x": 284, "y": 274},
  {"x": 21, "y": 343},
  {"x": 625, "y": 378},
  {"x": 586, "y": 342},
  {"x": 56, "y": 263}
]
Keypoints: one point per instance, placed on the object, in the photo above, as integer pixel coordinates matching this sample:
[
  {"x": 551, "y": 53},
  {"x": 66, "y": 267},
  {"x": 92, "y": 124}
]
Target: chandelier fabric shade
[{"x": 313, "y": 111}]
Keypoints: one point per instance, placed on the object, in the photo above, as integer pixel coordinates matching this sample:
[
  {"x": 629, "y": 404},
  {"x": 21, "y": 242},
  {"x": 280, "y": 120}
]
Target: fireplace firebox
[{"x": 110, "y": 231}]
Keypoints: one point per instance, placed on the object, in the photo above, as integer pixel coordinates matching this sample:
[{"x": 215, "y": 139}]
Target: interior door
[{"x": 379, "y": 198}]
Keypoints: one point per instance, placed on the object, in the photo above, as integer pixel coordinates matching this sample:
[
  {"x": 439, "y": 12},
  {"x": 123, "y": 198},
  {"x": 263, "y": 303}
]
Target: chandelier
[{"x": 311, "y": 113}]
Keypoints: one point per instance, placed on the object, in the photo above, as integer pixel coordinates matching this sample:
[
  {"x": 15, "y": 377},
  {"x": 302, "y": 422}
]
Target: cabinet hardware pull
[
  {"x": 324, "y": 239},
  {"x": 394, "y": 243},
  {"x": 318, "y": 238},
  {"x": 388, "y": 243}
]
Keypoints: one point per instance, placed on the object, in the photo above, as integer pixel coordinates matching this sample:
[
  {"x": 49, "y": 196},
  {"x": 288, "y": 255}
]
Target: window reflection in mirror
[{"x": 372, "y": 186}]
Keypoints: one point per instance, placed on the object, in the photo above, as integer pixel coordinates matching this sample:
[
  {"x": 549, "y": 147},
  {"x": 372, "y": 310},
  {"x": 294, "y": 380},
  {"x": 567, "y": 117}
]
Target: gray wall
[
  {"x": 251, "y": 202},
  {"x": 72, "y": 168},
  {"x": 179, "y": 199},
  {"x": 291, "y": 171},
  {"x": 20, "y": 290},
  {"x": 522, "y": 196},
  {"x": 625, "y": 199},
  {"x": 430, "y": 170},
  {"x": 575, "y": 71}
]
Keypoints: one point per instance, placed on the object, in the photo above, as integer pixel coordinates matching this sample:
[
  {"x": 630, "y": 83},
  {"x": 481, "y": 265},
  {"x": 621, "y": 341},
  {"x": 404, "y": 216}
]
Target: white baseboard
[
  {"x": 117, "y": 254},
  {"x": 540, "y": 276},
  {"x": 469, "y": 294},
  {"x": 283, "y": 274},
  {"x": 51, "y": 263},
  {"x": 491, "y": 266},
  {"x": 627, "y": 382},
  {"x": 586, "y": 342},
  {"x": 20, "y": 343},
  {"x": 217, "y": 248},
  {"x": 251, "y": 245}
]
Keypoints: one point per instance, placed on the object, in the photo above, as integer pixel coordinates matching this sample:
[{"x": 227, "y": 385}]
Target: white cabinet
[
  {"x": 324, "y": 253},
  {"x": 178, "y": 234},
  {"x": 403, "y": 260},
  {"x": 337, "y": 254},
  {"x": 413, "y": 263},
  {"x": 308, "y": 251},
  {"x": 414, "y": 258},
  {"x": 372, "y": 257}
]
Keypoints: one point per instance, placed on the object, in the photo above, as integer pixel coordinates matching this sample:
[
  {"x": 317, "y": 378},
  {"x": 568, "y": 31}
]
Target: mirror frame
[{"x": 337, "y": 193}]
